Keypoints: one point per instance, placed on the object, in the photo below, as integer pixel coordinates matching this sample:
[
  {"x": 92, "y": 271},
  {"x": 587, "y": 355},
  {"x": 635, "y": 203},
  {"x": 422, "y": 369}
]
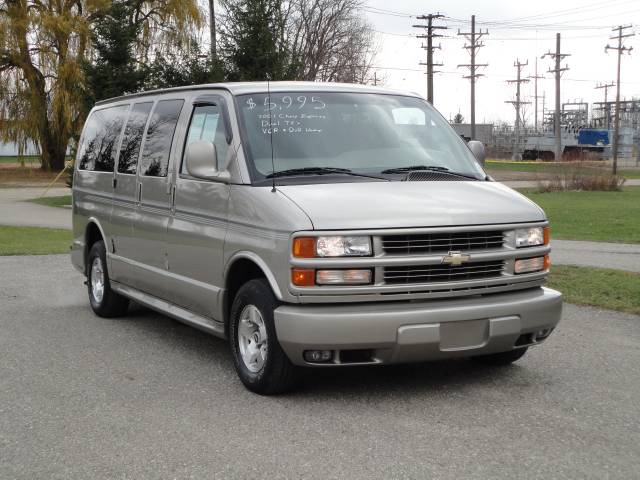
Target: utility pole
[
  {"x": 375, "y": 79},
  {"x": 429, "y": 47},
  {"x": 474, "y": 45},
  {"x": 616, "y": 129},
  {"x": 535, "y": 78},
  {"x": 212, "y": 30},
  {"x": 516, "y": 103},
  {"x": 558, "y": 72},
  {"x": 606, "y": 87}
]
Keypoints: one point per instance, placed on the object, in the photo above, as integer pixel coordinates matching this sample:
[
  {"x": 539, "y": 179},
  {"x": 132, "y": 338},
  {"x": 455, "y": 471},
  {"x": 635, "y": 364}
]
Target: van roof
[{"x": 242, "y": 88}]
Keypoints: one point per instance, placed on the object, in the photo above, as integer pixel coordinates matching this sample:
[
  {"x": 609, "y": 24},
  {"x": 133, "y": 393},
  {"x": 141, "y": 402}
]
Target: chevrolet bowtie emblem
[{"x": 456, "y": 258}]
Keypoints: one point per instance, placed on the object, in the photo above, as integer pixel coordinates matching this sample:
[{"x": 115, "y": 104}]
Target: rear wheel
[
  {"x": 503, "y": 358},
  {"x": 258, "y": 358},
  {"x": 104, "y": 301}
]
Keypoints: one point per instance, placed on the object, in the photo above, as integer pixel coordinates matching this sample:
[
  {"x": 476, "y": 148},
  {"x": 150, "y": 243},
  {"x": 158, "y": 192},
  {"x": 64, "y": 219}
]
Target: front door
[
  {"x": 153, "y": 198},
  {"x": 198, "y": 223}
]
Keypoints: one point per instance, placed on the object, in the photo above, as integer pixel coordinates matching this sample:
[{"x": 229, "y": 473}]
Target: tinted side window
[
  {"x": 130, "y": 149},
  {"x": 157, "y": 145},
  {"x": 207, "y": 124},
  {"x": 101, "y": 136}
]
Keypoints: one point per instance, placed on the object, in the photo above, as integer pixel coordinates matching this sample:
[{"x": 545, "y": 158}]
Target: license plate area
[{"x": 463, "y": 335}]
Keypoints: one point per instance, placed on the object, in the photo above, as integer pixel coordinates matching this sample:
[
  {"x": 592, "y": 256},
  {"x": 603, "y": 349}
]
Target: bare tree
[{"x": 330, "y": 41}]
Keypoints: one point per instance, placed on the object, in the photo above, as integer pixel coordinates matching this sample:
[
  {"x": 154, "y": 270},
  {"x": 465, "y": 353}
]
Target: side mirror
[
  {"x": 202, "y": 160},
  {"x": 477, "y": 148}
]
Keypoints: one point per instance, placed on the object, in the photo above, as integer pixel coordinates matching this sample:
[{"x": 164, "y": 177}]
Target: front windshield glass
[{"x": 368, "y": 134}]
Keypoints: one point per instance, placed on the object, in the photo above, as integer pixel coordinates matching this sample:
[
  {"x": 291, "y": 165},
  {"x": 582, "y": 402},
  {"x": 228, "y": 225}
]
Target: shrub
[{"x": 579, "y": 178}]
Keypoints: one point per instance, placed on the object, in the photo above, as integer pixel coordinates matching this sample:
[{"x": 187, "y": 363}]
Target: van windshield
[{"x": 374, "y": 135}]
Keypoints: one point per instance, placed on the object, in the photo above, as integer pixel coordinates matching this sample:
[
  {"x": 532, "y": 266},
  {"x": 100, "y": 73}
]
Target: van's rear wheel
[
  {"x": 503, "y": 358},
  {"x": 104, "y": 301},
  {"x": 259, "y": 360}
]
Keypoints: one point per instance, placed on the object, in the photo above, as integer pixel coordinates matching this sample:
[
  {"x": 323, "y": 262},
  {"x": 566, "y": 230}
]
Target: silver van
[{"x": 311, "y": 224}]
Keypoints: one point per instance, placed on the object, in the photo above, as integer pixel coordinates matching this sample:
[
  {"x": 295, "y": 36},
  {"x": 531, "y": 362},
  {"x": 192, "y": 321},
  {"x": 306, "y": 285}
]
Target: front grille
[
  {"x": 442, "y": 273},
  {"x": 442, "y": 242}
]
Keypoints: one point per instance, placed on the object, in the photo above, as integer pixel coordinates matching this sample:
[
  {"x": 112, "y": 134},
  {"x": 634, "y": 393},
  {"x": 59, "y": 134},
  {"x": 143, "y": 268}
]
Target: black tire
[
  {"x": 111, "y": 304},
  {"x": 503, "y": 358},
  {"x": 277, "y": 373}
]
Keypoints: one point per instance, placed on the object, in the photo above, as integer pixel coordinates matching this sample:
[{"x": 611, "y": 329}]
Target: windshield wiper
[
  {"x": 414, "y": 168},
  {"x": 293, "y": 172},
  {"x": 430, "y": 168}
]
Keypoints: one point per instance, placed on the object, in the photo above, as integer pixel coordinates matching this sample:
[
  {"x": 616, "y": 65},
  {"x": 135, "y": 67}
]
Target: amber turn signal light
[
  {"x": 303, "y": 277},
  {"x": 547, "y": 259},
  {"x": 304, "y": 247},
  {"x": 547, "y": 235}
]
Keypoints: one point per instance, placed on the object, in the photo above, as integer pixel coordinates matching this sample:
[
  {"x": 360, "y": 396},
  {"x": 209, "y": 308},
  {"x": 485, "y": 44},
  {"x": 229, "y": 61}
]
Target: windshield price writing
[{"x": 289, "y": 102}]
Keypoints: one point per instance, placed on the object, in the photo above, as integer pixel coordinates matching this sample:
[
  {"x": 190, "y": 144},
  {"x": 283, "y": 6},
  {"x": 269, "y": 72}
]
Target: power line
[
  {"x": 573, "y": 11},
  {"x": 473, "y": 37},
  {"x": 517, "y": 103},
  {"x": 430, "y": 47},
  {"x": 535, "y": 77},
  {"x": 558, "y": 72},
  {"x": 620, "y": 49},
  {"x": 606, "y": 87}
]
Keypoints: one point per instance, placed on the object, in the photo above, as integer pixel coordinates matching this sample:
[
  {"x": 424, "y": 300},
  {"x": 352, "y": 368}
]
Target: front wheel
[
  {"x": 258, "y": 358},
  {"x": 104, "y": 301},
  {"x": 503, "y": 358}
]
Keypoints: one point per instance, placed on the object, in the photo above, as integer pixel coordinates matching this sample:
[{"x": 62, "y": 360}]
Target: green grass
[
  {"x": 33, "y": 240},
  {"x": 550, "y": 167},
  {"x": 598, "y": 287},
  {"x": 29, "y": 160},
  {"x": 596, "y": 216},
  {"x": 60, "y": 201}
]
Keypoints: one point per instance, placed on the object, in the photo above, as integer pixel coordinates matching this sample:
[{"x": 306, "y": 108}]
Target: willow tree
[{"x": 43, "y": 46}]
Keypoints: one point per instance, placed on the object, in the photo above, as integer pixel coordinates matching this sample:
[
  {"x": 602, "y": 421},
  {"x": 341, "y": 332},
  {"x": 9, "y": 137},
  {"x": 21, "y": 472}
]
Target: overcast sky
[{"x": 585, "y": 27}]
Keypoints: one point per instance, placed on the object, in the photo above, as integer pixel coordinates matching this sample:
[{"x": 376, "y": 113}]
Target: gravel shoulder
[{"x": 147, "y": 397}]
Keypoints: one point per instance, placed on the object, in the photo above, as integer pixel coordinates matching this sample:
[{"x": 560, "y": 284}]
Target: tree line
[{"x": 58, "y": 57}]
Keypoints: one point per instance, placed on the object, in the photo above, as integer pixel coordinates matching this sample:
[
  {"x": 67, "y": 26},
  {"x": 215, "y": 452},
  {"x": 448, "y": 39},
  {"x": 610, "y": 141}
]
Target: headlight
[
  {"x": 310, "y": 247},
  {"x": 531, "y": 237}
]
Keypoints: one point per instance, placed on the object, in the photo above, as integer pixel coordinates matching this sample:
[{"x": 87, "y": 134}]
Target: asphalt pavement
[
  {"x": 621, "y": 256},
  {"x": 147, "y": 397},
  {"x": 16, "y": 210}
]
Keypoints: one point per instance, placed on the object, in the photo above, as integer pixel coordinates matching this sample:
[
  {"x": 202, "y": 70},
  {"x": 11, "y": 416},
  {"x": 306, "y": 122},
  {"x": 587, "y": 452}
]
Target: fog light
[
  {"x": 343, "y": 277},
  {"x": 317, "y": 356},
  {"x": 542, "y": 334},
  {"x": 529, "y": 265}
]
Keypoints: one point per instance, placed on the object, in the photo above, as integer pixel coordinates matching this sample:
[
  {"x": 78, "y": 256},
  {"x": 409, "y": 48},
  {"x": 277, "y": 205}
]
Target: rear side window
[
  {"x": 100, "y": 141},
  {"x": 207, "y": 124},
  {"x": 130, "y": 149},
  {"x": 157, "y": 144}
]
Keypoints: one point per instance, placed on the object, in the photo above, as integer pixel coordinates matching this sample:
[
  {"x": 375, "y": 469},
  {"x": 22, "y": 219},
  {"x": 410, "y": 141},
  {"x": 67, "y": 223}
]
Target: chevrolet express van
[{"x": 310, "y": 224}]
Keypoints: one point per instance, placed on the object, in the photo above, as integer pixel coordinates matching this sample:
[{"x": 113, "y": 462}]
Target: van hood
[{"x": 369, "y": 205}]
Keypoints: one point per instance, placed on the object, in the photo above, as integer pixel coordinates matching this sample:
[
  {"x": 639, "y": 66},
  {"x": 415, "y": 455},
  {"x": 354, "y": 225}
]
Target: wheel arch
[
  {"x": 240, "y": 268},
  {"x": 93, "y": 233}
]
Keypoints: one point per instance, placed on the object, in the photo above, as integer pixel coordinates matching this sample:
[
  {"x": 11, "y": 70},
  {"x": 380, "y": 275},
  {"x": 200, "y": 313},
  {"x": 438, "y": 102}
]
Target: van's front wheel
[
  {"x": 104, "y": 301},
  {"x": 259, "y": 360}
]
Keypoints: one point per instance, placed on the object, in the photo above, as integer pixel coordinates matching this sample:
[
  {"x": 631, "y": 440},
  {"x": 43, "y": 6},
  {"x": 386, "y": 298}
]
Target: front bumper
[{"x": 399, "y": 332}]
